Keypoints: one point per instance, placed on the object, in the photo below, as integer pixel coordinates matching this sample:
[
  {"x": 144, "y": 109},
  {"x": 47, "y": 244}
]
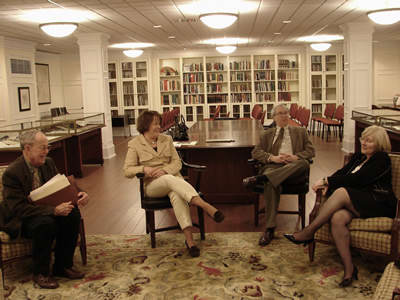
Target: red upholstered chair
[
  {"x": 215, "y": 115},
  {"x": 328, "y": 114},
  {"x": 304, "y": 117},
  {"x": 168, "y": 119},
  {"x": 263, "y": 117},
  {"x": 336, "y": 123},
  {"x": 293, "y": 110},
  {"x": 256, "y": 112}
]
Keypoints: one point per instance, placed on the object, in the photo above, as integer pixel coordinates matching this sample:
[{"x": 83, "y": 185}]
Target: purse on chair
[{"x": 179, "y": 130}]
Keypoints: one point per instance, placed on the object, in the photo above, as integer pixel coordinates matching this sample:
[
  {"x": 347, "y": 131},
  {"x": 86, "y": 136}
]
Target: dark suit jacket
[
  {"x": 17, "y": 184},
  {"x": 301, "y": 144}
]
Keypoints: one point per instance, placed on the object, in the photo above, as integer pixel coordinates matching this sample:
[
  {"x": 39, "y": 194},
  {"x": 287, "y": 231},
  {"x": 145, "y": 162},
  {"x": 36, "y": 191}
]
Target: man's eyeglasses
[{"x": 282, "y": 113}]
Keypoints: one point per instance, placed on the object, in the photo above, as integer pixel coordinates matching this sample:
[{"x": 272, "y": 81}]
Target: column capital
[{"x": 96, "y": 38}]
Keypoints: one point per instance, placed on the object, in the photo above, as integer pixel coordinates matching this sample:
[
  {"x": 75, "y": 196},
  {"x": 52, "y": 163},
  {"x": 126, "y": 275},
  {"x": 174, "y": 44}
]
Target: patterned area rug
[{"x": 231, "y": 266}]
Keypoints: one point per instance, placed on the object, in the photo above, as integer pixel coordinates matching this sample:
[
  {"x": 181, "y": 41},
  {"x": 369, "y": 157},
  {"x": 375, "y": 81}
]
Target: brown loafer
[
  {"x": 252, "y": 181},
  {"x": 69, "y": 273},
  {"x": 45, "y": 282},
  {"x": 266, "y": 237}
]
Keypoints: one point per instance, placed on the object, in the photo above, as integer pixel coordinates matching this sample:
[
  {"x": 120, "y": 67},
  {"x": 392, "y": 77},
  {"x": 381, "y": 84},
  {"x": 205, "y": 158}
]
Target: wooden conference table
[{"x": 226, "y": 161}]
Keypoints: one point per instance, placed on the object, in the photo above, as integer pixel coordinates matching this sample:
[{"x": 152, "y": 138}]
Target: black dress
[{"x": 370, "y": 188}]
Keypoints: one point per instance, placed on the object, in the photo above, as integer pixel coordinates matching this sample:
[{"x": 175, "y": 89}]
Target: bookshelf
[
  {"x": 128, "y": 85},
  {"x": 324, "y": 82},
  {"x": 197, "y": 85}
]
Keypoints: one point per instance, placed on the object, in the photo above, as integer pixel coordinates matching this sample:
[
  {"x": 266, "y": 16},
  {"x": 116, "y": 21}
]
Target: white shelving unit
[
  {"x": 129, "y": 89},
  {"x": 324, "y": 82}
]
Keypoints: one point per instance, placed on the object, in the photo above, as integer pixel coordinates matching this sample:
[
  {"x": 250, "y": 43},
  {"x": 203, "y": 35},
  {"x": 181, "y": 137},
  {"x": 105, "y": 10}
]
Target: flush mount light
[
  {"x": 133, "y": 52},
  {"x": 59, "y": 29},
  {"x": 385, "y": 16},
  {"x": 218, "y": 20},
  {"x": 321, "y": 46},
  {"x": 131, "y": 45},
  {"x": 320, "y": 38},
  {"x": 226, "y": 49}
]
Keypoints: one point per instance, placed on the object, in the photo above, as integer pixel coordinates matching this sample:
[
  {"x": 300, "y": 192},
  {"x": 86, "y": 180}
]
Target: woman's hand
[
  {"x": 153, "y": 172},
  {"x": 320, "y": 184},
  {"x": 83, "y": 199},
  {"x": 159, "y": 173}
]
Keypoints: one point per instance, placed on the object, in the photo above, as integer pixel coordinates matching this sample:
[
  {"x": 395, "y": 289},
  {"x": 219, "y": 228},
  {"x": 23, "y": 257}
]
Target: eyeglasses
[
  {"x": 282, "y": 113},
  {"x": 43, "y": 147}
]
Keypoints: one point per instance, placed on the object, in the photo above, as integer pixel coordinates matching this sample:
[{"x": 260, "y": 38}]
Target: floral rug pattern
[{"x": 231, "y": 266}]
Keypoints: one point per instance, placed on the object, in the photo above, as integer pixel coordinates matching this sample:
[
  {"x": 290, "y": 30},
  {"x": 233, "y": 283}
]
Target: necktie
[
  {"x": 36, "y": 179},
  {"x": 278, "y": 142}
]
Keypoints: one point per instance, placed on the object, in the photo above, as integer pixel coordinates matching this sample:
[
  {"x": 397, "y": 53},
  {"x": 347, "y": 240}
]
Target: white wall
[
  {"x": 71, "y": 76},
  {"x": 386, "y": 71},
  {"x": 56, "y": 80}
]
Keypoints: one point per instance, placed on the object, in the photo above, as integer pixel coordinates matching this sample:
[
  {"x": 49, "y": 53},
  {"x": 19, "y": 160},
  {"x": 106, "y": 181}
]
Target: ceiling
[{"x": 133, "y": 21}]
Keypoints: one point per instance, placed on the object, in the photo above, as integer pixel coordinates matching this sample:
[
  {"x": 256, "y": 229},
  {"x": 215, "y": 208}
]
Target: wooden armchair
[
  {"x": 150, "y": 205},
  {"x": 377, "y": 236},
  {"x": 12, "y": 250}
]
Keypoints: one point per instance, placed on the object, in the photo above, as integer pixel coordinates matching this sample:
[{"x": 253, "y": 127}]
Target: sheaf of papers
[
  {"x": 55, "y": 184},
  {"x": 179, "y": 144}
]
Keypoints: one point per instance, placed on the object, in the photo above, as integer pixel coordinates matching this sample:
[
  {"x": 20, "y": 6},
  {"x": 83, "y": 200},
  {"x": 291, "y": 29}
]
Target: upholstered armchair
[
  {"x": 12, "y": 250},
  {"x": 378, "y": 236}
]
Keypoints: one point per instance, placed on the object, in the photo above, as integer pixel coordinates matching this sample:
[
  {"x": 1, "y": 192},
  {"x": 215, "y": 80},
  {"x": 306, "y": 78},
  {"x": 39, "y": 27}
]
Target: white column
[
  {"x": 94, "y": 76},
  {"x": 358, "y": 75}
]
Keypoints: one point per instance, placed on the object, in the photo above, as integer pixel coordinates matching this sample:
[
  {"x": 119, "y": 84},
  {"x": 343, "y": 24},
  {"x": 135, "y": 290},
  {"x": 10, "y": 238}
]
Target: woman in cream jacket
[{"x": 154, "y": 154}]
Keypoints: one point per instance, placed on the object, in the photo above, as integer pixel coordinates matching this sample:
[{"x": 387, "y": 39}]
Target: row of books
[
  {"x": 193, "y": 67},
  {"x": 193, "y": 99},
  {"x": 215, "y": 77},
  {"x": 193, "y": 88},
  {"x": 214, "y": 66},
  {"x": 265, "y": 86},
  {"x": 128, "y": 87},
  {"x": 217, "y": 98},
  {"x": 288, "y": 75},
  {"x": 283, "y": 86},
  {"x": 171, "y": 99},
  {"x": 242, "y": 87},
  {"x": 128, "y": 100},
  {"x": 194, "y": 77},
  {"x": 316, "y": 83},
  {"x": 263, "y": 64},
  {"x": 265, "y": 97},
  {"x": 215, "y": 88},
  {"x": 240, "y": 65},
  {"x": 143, "y": 100},
  {"x": 284, "y": 97},
  {"x": 286, "y": 64},
  {"x": 239, "y": 98},
  {"x": 240, "y": 76},
  {"x": 169, "y": 85},
  {"x": 316, "y": 67},
  {"x": 142, "y": 88},
  {"x": 264, "y": 75}
]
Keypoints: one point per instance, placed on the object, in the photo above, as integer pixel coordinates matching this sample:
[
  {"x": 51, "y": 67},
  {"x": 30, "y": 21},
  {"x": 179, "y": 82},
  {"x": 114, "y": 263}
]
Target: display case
[
  {"x": 72, "y": 124},
  {"x": 373, "y": 116}
]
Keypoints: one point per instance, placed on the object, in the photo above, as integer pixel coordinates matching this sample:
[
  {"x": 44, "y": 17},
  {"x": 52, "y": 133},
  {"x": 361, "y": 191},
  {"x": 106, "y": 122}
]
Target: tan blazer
[
  {"x": 301, "y": 144},
  {"x": 141, "y": 154}
]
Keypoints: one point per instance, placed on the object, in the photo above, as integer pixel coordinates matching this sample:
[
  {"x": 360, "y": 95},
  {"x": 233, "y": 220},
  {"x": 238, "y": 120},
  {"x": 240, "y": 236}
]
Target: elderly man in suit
[
  {"x": 285, "y": 152},
  {"x": 43, "y": 224}
]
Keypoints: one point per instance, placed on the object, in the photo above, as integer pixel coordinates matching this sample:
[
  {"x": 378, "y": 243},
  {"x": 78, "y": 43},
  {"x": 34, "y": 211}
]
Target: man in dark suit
[
  {"x": 42, "y": 224},
  {"x": 285, "y": 152}
]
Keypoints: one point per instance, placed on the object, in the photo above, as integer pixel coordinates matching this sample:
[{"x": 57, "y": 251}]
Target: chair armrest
[
  {"x": 394, "y": 239},
  {"x": 140, "y": 175},
  {"x": 396, "y": 292},
  {"x": 317, "y": 205},
  {"x": 197, "y": 168}
]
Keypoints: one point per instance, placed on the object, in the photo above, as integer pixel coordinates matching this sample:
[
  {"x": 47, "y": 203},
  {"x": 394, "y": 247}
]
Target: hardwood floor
[{"x": 114, "y": 206}]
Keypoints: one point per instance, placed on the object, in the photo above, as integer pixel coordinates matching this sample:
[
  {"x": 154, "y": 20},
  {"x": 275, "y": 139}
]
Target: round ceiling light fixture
[
  {"x": 321, "y": 46},
  {"x": 59, "y": 29},
  {"x": 133, "y": 52},
  {"x": 387, "y": 16},
  {"x": 218, "y": 20},
  {"x": 228, "y": 49}
]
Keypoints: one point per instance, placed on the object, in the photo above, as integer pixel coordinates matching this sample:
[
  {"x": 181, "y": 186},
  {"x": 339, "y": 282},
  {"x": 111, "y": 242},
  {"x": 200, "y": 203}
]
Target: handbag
[{"x": 179, "y": 130}]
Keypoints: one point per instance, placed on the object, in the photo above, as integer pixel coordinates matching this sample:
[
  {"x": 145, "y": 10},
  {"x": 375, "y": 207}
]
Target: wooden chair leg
[
  {"x": 302, "y": 209},
  {"x": 150, "y": 223},
  {"x": 82, "y": 244},
  {"x": 256, "y": 209},
  {"x": 311, "y": 251},
  {"x": 200, "y": 215}
]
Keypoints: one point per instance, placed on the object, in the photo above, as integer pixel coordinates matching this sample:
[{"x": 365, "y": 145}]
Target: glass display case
[
  {"x": 373, "y": 116},
  {"x": 391, "y": 122}
]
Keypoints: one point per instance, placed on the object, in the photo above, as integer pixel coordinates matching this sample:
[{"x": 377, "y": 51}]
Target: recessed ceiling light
[
  {"x": 287, "y": 21},
  {"x": 277, "y": 33},
  {"x": 46, "y": 44},
  {"x": 171, "y": 37},
  {"x": 270, "y": 41},
  {"x": 131, "y": 45},
  {"x": 157, "y": 26}
]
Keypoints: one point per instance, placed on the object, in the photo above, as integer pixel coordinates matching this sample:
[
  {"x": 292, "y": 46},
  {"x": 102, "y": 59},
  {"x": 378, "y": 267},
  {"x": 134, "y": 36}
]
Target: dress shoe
[
  {"x": 45, "y": 282},
  {"x": 193, "y": 251},
  {"x": 347, "y": 281},
  {"x": 218, "y": 216},
  {"x": 266, "y": 237},
  {"x": 69, "y": 273},
  {"x": 291, "y": 238},
  {"x": 252, "y": 181}
]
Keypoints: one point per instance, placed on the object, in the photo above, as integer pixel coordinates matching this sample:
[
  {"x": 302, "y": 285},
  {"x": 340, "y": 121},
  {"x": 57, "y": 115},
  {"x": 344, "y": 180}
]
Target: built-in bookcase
[
  {"x": 324, "y": 82},
  {"x": 170, "y": 84},
  {"x": 128, "y": 85}
]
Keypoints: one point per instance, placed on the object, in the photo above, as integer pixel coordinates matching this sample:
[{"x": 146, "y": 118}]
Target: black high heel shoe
[
  {"x": 291, "y": 238},
  {"x": 218, "y": 216},
  {"x": 347, "y": 281},
  {"x": 193, "y": 251}
]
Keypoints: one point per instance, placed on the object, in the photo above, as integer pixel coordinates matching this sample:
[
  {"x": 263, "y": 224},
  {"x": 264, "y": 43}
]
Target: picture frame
[
  {"x": 24, "y": 99},
  {"x": 43, "y": 83}
]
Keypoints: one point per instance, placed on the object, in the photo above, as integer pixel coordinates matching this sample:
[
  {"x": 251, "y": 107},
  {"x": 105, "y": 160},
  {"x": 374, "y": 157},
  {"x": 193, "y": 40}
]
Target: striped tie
[
  {"x": 36, "y": 179},
  {"x": 278, "y": 142}
]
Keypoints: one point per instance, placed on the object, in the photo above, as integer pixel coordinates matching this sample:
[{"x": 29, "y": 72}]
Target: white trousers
[{"x": 180, "y": 193}]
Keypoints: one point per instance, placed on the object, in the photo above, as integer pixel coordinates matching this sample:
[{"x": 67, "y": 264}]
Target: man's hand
[
  {"x": 289, "y": 157},
  {"x": 63, "y": 209},
  {"x": 278, "y": 159},
  {"x": 83, "y": 199}
]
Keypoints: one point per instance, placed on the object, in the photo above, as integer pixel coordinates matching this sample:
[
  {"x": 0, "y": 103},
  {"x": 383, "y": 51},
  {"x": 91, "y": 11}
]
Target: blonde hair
[{"x": 379, "y": 136}]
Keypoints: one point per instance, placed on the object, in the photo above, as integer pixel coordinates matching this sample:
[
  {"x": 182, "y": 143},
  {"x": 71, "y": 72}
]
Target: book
[{"x": 57, "y": 190}]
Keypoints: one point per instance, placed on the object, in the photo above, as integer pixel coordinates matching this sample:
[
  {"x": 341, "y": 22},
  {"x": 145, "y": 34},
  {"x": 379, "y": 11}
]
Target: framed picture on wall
[
  {"x": 24, "y": 99},
  {"x": 43, "y": 83}
]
